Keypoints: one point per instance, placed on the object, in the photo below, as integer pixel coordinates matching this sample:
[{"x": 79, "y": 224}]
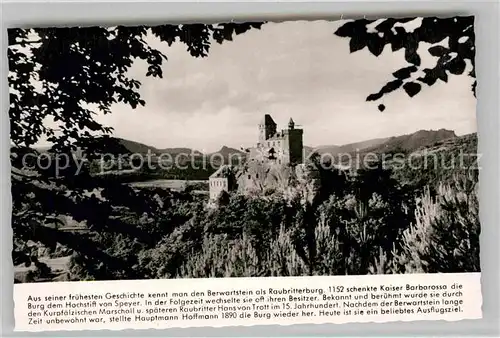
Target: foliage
[
  {"x": 362, "y": 231},
  {"x": 451, "y": 58},
  {"x": 82, "y": 66},
  {"x": 445, "y": 236},
  {"x": 351, "y": 234},
  {"x": 373, "y": 226}
]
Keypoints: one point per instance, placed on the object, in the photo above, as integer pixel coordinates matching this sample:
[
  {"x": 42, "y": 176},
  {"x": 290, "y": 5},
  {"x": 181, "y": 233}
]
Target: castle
[{"x": 283, "y": 148}]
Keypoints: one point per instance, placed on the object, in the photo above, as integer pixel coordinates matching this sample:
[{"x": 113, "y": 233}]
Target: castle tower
[
  {"x": 267, "y": 128},
  {"x": 293, "y": 146}
]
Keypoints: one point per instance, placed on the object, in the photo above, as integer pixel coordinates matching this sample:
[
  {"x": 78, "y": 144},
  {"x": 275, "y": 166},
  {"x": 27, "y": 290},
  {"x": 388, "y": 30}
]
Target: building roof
[
  {"x": 222, "y": 172},
  {"x": 267, "y": 120}
]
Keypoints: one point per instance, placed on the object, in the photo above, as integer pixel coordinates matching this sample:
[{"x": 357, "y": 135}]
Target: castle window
[
  {"x": 256, "y": 175},
  {"x": 279, "y": 161},
  {"x": 249, "y": 177}
]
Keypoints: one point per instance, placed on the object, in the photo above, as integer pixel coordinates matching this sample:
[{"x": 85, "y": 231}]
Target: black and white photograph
[{"x": 244, "y": 149}]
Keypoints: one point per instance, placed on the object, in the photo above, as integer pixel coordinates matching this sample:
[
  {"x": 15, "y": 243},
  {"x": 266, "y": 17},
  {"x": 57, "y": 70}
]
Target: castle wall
[{"x": 263, "y": 150}]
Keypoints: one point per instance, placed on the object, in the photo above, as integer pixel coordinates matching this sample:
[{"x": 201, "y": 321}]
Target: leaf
[
  {"x": 404, "y": 73},
  {"x": 375, "y": 45},
  {"x": 438, "y": 50},
  {"x": 412, "y": 57},
  {"x": 412, "y": 88},
  {"x": 352, "y": 28},
  {"x": 456, "y": 66},
  {"x": 389, "y": 23},
  {"x": 398, "y": 39},
  {"x": 391, "y": 86},
  {"x": 387, "y": 88},
  {"x": 441, "y": 74}
]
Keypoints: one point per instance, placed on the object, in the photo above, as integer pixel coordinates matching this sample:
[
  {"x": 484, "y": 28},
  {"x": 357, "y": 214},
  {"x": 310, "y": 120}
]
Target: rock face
[{"x": 256, "y": 179}]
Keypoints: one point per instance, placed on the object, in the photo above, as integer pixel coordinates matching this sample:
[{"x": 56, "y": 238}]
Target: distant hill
[
  {"x": 137, "y": 147},
  {"x": 308, "y": 150},
  {"x": 228, "y": 154},
  {"x": 177, "y": 151},
  {"x": 141, "y": 148},
  {"x": 226, "y": 151},
  {"x": 330, "y": 149},
  {"x": 440, "y": 162},
  {"x": 362, "y": 145}
]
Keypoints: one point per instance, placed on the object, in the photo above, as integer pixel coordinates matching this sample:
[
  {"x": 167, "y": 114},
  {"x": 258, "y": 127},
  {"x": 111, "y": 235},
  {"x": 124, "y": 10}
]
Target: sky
[{"x": 294, "y": 69}]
